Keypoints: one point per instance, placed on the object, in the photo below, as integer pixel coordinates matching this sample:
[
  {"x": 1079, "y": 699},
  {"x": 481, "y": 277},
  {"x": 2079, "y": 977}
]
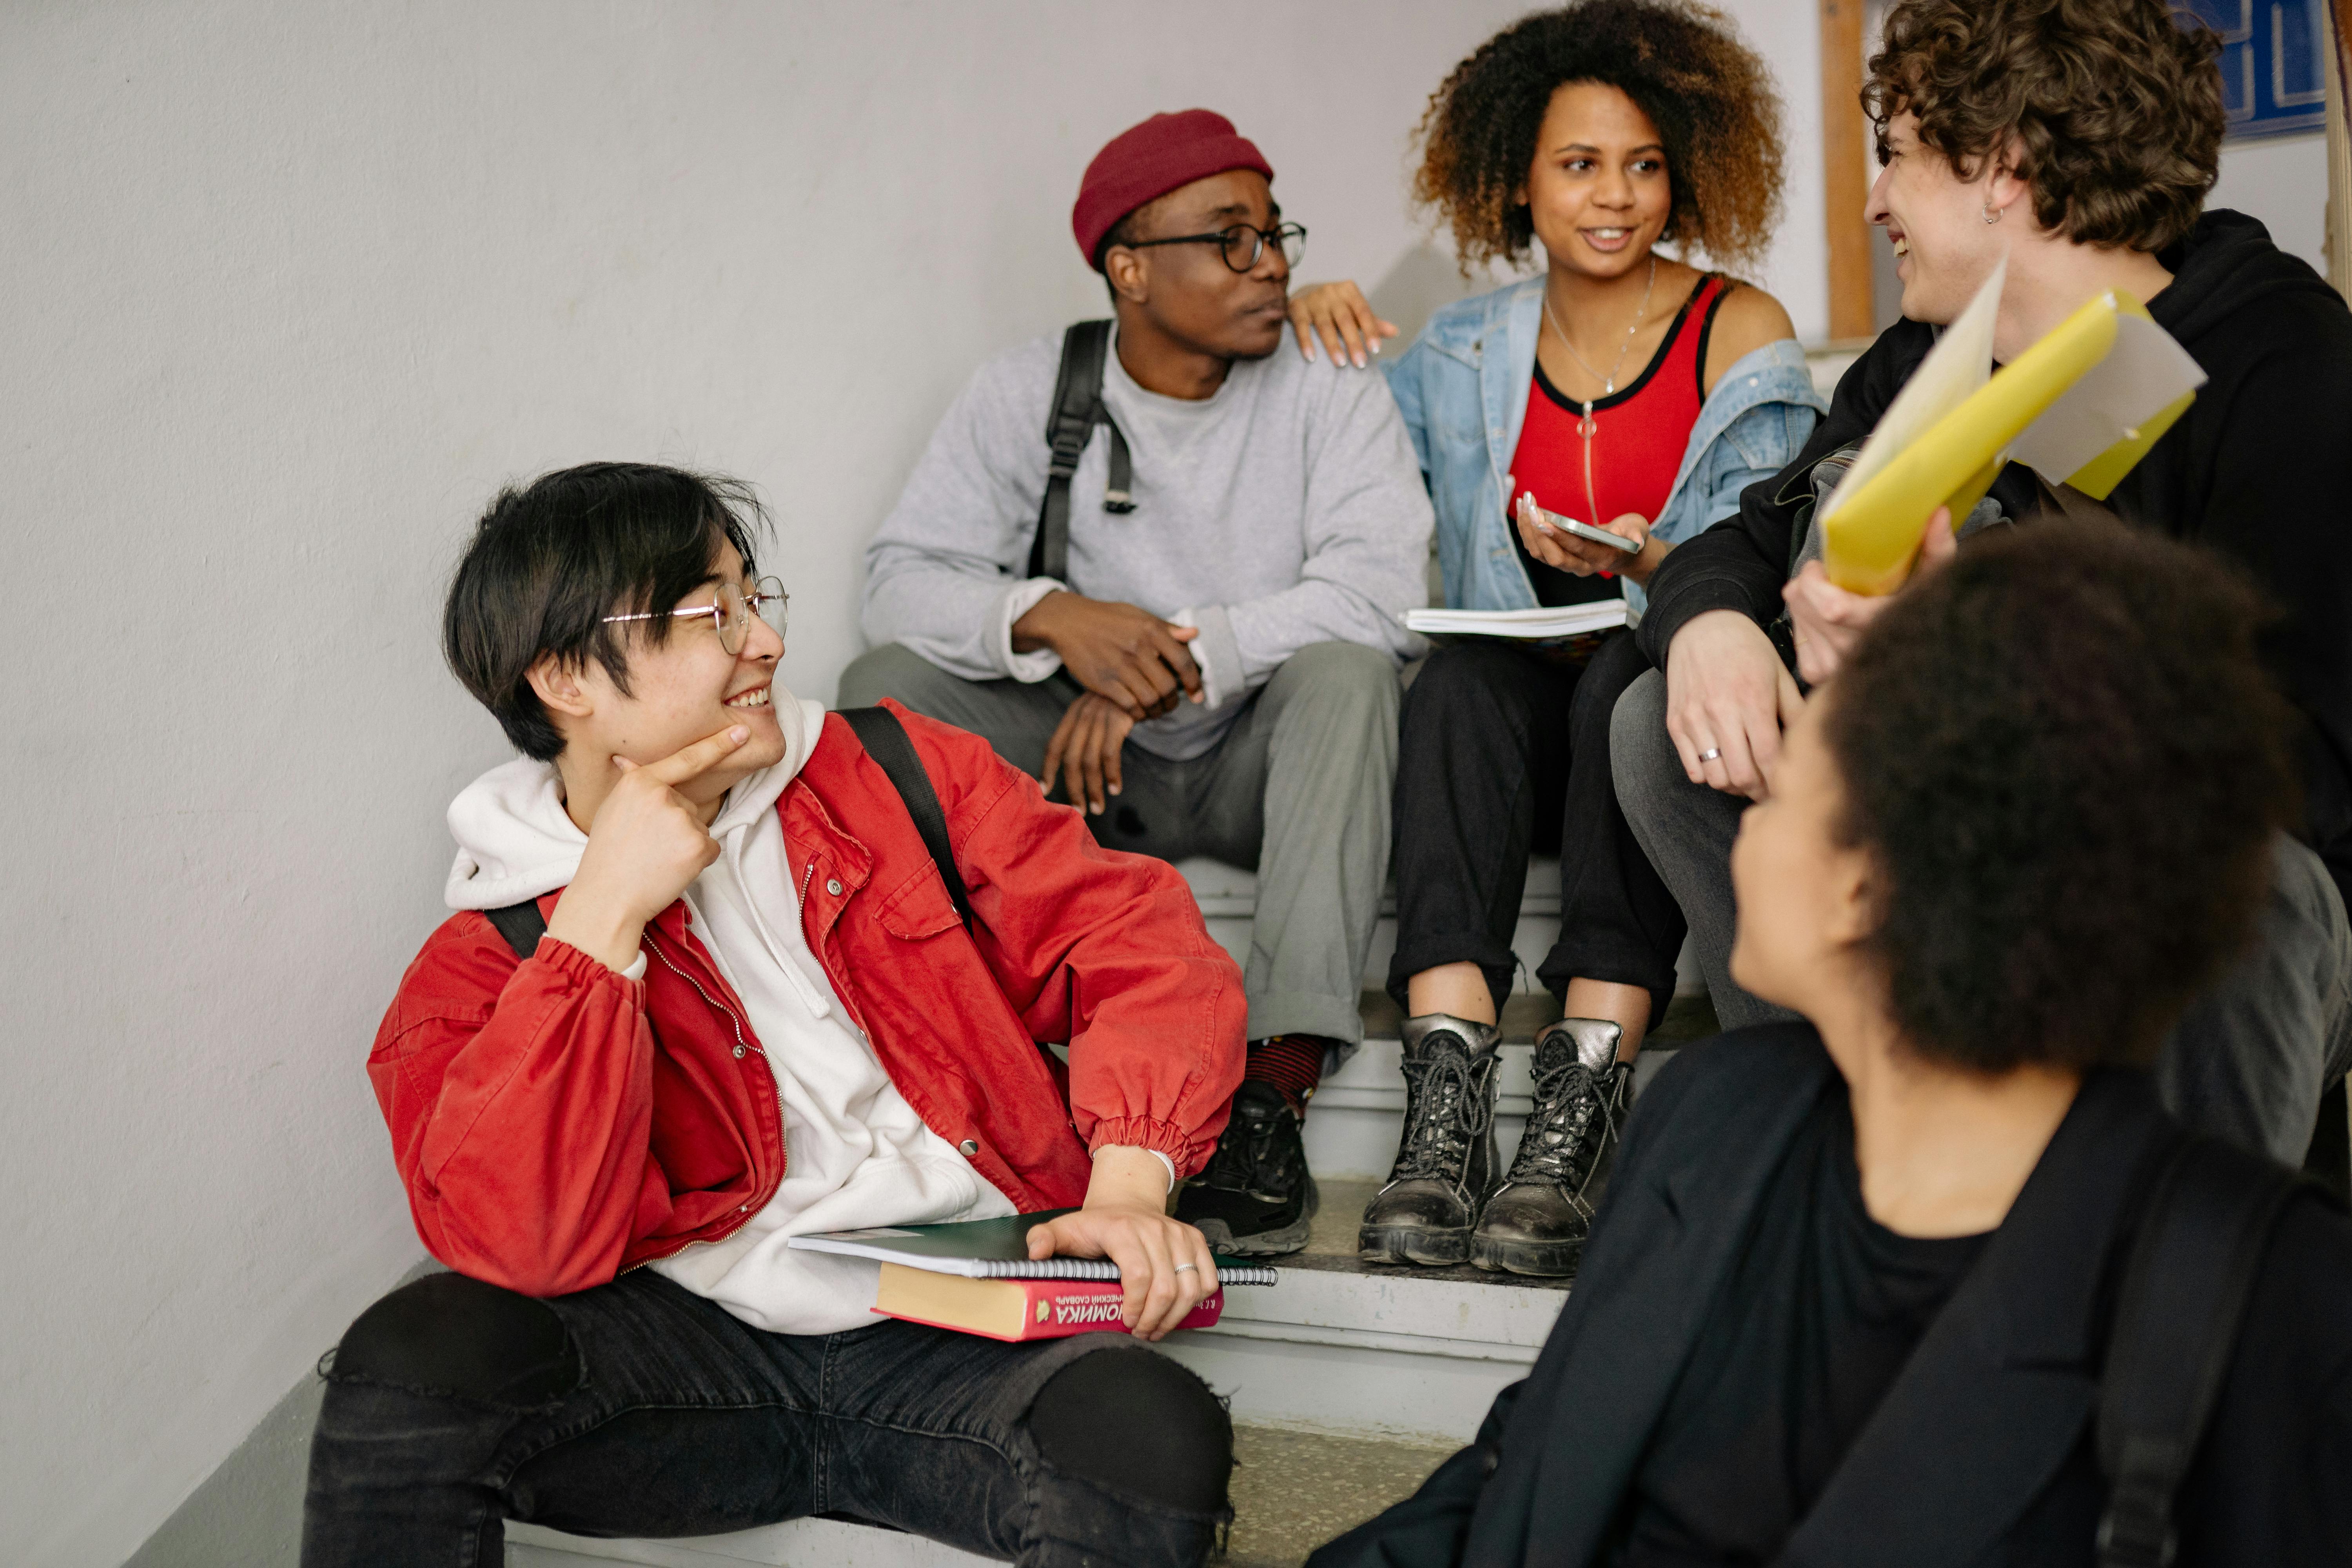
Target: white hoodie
[{"x": 856, "y": 1153}]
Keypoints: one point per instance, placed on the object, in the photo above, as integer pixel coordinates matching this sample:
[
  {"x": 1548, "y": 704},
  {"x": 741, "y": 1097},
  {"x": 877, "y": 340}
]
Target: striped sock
[{"x": 1292, "y": 1063}]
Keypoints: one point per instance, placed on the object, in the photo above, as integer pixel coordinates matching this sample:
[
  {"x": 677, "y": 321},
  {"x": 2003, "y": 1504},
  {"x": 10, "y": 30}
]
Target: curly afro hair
[
  {"x": 2068, "y": 761},
  {"x": 2115, "y": 103},
  {"x": 1711, "y": 98}
]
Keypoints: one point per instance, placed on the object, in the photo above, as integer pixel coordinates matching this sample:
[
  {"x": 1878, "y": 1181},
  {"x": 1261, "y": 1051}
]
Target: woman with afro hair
[{"x": 1631, "y": 391}]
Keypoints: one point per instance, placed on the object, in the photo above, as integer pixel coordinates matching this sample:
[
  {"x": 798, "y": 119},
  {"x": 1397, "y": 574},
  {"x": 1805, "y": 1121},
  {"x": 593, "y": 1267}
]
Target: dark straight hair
[{"x": 551, "y": 560}]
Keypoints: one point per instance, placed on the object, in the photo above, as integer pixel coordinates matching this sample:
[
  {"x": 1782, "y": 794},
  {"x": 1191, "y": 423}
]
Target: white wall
[
  {"x": 2283, "y": 181},
  {"x": 285, "y": 292}
]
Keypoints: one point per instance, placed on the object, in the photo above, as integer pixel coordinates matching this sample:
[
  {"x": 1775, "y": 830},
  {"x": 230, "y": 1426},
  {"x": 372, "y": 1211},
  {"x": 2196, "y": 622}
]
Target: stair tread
[
  {"x": 1292, "y": 1491},
  {"x": 1331, "y": 1247}
]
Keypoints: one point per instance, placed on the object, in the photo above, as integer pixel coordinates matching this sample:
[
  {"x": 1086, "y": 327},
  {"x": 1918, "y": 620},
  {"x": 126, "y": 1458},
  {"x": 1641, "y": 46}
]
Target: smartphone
[{"x": 1583, "y": 529}]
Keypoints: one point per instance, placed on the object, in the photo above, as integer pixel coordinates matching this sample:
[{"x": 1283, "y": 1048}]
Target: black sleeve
[
  {"x": 1429, "y": 1528},
  {"x": 2272, "y": 1481},
  {"x": 2277, "y": 500},
  {"x": 1741, "y": 563}
]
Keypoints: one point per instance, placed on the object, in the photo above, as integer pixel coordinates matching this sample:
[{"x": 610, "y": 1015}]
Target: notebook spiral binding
[{"x": 1104, "y": 1268}]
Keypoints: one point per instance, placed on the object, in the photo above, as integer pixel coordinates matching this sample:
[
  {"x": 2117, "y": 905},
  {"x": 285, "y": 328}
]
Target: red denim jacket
[{"x": 555, "y": 1123}]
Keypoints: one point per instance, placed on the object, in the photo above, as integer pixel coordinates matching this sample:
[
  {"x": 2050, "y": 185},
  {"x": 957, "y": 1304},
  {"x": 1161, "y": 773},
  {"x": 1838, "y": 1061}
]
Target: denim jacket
[{"x": 1462, "y": 389}]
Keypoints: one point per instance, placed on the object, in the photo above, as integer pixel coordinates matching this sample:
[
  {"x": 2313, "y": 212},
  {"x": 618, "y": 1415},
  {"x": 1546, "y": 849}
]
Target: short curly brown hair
[
  {"x": 2066, "y": 759},
  {"x": 1711, "y": 98},
  {"x": 2115, "y": 103}
]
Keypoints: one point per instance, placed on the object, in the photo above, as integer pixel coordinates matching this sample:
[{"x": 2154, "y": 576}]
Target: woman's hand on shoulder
[
  {"x": 1747, "y": 319},
  {"x": 1342, "y": 319}
]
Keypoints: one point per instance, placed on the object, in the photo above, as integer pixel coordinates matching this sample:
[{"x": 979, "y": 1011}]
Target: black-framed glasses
[
  {"x": 1242, "y": 243},
  {"x": 731, "y": 609}
]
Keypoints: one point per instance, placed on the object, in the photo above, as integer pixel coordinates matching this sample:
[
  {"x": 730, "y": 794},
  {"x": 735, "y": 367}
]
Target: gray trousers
[
  {"x": 2249, "y": 1059},
  {"x": 1296, "y": 790}
]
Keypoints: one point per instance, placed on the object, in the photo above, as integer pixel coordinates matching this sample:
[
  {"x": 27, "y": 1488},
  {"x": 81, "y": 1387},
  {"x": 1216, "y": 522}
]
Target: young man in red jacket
[{"x": 755, "y": 1012}]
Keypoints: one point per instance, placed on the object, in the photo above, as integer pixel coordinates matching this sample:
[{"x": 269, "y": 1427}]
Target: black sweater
[
  {"x": 1983, "y": 1451},
  {"x": 2259, "y": 468}
]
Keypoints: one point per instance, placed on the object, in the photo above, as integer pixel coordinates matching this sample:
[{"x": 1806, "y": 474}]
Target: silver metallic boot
[
  {"x": 1446, "y": 1159},
  {"x": 1537, "y": 1220}
]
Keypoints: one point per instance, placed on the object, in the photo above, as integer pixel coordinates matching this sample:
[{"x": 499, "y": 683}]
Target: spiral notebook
[{"x": 993, "y": 1250}]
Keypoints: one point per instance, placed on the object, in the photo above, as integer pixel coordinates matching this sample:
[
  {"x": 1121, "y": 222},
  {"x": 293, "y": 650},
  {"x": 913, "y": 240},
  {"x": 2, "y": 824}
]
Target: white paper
[
  {"x": 1960, "y": 363},
  {"x": 2144, "y": 373},
  {"x": 1538, "y": 625}
]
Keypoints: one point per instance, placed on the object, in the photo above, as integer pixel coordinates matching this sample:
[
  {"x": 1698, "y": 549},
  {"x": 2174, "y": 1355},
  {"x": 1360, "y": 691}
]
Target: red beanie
[{"x": 1146, "y": 162}]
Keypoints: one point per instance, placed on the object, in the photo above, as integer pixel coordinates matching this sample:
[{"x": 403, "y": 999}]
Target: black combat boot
[
  {"x": 1537, "y": 1221},
  {"x": 1256, "y": 1199},
  {"x": 1445, "y": 1160}
]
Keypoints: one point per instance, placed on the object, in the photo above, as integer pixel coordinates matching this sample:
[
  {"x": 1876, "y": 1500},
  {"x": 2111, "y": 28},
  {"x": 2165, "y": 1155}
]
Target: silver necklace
[
  {"x": 1609, "y": 381},
  {"x": 1589, "y": 426}
]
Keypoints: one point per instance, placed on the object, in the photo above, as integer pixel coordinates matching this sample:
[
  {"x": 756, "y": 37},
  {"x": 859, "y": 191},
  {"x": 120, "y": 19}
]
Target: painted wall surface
[
  {"x": 2284, "y": 182},
  {"x": 285, "y": 292}
]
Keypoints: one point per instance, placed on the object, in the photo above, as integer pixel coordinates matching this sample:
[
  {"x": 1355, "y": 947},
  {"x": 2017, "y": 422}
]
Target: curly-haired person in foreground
[
  {"x": 2078, "y": 138},
  {"x": 1852, "y": 1296},
  {"x": 1633, "y": 392}
]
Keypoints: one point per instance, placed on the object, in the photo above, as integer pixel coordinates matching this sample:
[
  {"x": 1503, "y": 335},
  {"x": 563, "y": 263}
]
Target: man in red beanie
[{"x": 1186, "y": 611}]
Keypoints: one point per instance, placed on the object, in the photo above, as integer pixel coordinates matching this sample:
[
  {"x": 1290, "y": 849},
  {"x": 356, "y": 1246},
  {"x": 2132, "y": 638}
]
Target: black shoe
[
  {"x": 1446, "y": 1159},
  {"x": 1256, "y": 1199},
  {"x": 1537, "y": 1221}
]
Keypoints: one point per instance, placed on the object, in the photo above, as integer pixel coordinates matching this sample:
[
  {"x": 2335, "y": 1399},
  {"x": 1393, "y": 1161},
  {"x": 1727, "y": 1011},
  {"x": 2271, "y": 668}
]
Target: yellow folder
[{"x": 2049, "y": 407}]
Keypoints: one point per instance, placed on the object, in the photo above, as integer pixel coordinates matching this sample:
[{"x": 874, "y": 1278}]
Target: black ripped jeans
[
  {"x": 1501, "y": 752},
  {"x": 640, "y": 1409}
]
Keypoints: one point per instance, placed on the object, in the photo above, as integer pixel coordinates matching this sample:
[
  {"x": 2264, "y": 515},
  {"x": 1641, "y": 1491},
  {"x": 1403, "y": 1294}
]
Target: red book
[{"x": 1014, "y": 1309}]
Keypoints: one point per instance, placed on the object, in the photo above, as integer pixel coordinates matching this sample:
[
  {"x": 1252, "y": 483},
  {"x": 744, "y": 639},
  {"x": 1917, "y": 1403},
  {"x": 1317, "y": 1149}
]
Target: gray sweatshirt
[{"x": 1285, "y": 510}]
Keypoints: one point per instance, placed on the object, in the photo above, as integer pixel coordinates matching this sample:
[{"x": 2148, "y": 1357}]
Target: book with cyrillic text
[
  {"x": 1015, "y": 1308},
  {"x": 993, "y": 1249}
]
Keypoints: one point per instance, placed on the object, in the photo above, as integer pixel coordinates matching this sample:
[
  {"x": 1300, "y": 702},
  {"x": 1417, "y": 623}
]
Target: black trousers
[
  {"x": 638, "y": 1408},
  {"x": 1505, "y": 753}
]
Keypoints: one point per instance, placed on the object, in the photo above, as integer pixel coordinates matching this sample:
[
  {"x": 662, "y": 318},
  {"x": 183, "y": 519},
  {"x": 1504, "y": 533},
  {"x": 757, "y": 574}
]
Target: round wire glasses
[{"x": 731, "y": 609}]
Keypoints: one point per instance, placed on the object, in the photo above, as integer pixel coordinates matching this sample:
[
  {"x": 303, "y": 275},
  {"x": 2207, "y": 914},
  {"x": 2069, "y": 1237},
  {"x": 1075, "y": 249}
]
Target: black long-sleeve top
[{"x": 2260, "y": 469}]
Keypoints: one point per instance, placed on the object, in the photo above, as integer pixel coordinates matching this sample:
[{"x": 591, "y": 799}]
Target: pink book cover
[{"x": 1050, "y": 1309}]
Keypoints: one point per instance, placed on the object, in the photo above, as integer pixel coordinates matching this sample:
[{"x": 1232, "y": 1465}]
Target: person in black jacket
[
  {"x": 2078, "y": 140},
  {"x": 1848, "y": 1299}
]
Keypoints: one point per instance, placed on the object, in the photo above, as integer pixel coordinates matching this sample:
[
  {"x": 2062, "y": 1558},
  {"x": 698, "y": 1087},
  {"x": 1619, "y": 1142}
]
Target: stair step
[
  {"x": 1397, "y": 1354},
  {"x": 1291, "y": 1491},
  {"x": 798, "y": 1544},
  {"x": 1295, "y": 1490}
]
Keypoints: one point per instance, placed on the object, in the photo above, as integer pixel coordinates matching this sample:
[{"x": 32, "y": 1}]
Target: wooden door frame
[{"x": 1846, "y": 180}]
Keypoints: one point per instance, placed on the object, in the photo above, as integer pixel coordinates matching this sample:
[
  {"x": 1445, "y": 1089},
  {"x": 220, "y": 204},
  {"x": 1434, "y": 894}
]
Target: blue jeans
[{"x": 639, "y": 1409}]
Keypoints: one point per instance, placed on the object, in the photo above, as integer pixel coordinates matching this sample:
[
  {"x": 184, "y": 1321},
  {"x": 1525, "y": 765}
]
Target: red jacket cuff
[
  {"x": 1146, "y": 1132},
  {"x": 578, "y": 967}
]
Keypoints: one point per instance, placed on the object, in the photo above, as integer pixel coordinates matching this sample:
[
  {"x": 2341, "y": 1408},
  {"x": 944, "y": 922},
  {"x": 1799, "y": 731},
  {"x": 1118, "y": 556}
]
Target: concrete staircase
[
  {"x": 1292, "y": 1492},
  {"x": 1348, "y": 1381}
]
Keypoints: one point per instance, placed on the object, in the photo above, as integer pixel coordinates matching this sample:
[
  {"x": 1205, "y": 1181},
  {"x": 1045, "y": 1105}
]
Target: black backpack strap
[
  {"x": 886, "y": 741},
  {"x": 522, "y": 924},
  {"x": 2185, "y": 1288},
  {"x": 1078, "y": 408}
]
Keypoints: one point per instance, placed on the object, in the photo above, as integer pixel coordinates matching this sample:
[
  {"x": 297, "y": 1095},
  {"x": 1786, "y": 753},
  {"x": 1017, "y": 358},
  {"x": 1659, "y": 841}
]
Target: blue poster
[{"x": 2273, "y": 79}]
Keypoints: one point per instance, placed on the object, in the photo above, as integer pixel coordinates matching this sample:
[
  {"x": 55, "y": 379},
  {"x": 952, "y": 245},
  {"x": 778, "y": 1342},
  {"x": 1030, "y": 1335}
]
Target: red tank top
[{"x": 1635, "y": 441}]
